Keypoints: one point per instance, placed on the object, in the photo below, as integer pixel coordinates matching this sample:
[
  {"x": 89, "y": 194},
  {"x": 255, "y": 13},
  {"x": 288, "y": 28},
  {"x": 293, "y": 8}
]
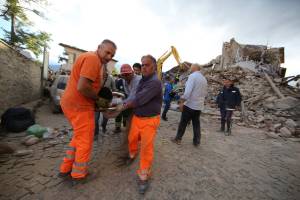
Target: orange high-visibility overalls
[
  {"x": 79, "y": 110},
  {"x": 143, "y": 129}
]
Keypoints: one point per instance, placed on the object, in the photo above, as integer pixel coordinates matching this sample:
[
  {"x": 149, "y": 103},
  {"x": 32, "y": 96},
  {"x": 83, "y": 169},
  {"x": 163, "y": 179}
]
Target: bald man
[
  {"x": 78, "y": 105},
  {"x": 191, "y": 104}
]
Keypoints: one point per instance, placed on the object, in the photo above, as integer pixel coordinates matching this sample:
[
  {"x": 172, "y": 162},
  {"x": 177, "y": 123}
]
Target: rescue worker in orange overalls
[
  {"x": 78, "y": 105},
  {"x": 145, "y": 121}
]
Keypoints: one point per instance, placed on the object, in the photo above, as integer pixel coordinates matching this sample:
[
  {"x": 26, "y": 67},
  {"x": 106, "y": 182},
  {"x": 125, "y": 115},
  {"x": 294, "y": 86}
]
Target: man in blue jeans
[{"x": 167, "y": 97}]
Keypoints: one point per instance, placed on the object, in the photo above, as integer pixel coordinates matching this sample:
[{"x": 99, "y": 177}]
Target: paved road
[{"x": 246, "y": 165}]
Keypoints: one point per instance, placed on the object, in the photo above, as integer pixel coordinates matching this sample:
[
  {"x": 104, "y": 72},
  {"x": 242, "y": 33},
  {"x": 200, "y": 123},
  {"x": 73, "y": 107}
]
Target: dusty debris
[
  {"x": 30, "y": 140},
  {"x": 272, "y": 135},
  {"x": 284, "y": 132},
  {"x": 268, "y": 102},
  {"x": 5, "y": 148},
  {"x": 23, "y": 152}
]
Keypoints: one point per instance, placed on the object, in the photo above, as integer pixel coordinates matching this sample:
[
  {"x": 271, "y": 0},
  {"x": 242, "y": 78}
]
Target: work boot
[
  {"x": 64, "y": 175},
  {"x": 76, "y": 181},
  {"x": 196, "y": 144},
  {"x": 222, "y": 129},
  {"x": 124, "y": 161},
  {"x": 228, "y": 127},
  {"x": 143, "y": 186},
  {"x": 117, "y": 130},
  {"x": 176, "y": 141},
  {"x": 164, "y": 117}
]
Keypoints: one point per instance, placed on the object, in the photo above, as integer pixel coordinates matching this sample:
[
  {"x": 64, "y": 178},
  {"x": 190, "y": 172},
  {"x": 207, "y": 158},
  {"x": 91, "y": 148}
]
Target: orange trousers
[
  {"x": 79, "y": 150},
  {"x": 143, "y": 129}
]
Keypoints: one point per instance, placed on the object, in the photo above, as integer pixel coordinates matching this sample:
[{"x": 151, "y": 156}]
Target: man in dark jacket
[{"x": 228, "y": 99}]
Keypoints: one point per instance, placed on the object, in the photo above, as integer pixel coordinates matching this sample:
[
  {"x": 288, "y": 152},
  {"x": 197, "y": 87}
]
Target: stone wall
[{"x": 20, "y": 78}]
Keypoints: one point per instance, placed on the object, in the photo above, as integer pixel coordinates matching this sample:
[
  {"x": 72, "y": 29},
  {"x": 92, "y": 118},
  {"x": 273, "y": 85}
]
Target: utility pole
[{"x": 43, "y": 68}]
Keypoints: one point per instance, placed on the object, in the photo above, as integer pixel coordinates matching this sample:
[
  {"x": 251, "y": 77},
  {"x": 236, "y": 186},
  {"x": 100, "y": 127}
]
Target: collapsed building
[
  {"x": 268, "y": 101},
  {"x": 256, "y": 58}
]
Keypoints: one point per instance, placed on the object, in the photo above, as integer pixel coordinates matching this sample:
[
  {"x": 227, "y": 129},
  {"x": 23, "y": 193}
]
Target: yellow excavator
[{"x": 164, "y": 57}]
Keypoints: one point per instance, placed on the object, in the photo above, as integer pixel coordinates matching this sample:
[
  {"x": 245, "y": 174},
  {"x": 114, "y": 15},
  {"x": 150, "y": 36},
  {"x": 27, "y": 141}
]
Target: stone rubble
[{"x": 269, "y": 104}]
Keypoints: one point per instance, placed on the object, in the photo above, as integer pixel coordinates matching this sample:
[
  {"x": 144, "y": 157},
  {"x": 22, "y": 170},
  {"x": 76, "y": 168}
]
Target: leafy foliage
[{"x": 20, "y": 33}]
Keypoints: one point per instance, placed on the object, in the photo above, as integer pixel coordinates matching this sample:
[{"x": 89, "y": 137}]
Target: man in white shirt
[{"x": 191, "y": 104}]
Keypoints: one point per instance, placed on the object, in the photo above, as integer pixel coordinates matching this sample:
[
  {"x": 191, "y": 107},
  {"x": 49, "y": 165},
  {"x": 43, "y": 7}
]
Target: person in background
[
  {"x": 176, "y": 88},
  {"x": 191, "y": 104},
  {"x": 120, "y": 86},
  {"x": 168, "y": 95},
  {"x": 137, "y": 68},
  {"x": 228, "y": 99},
  {"x": 131, "y": 81},
  {"x": 109, "y": 83}
]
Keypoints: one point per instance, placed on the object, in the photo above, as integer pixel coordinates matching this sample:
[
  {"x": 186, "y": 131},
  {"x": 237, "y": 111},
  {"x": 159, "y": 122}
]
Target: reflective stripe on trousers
[{"x": 80, "y": 147}]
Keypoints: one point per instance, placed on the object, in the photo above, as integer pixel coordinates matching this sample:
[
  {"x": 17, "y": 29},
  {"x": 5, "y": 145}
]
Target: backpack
[{"x": 17, "y": 119}]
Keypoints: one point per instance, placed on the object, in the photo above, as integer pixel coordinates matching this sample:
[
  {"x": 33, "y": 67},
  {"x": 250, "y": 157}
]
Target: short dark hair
[
  {"x": 107, "y": 41},
  {"x": 137, "y": 65},
  {"x": 151, "y": 58}
]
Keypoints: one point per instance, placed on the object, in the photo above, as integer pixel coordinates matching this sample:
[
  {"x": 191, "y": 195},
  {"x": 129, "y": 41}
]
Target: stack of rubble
[
  {"x": 267, "y": 102},
  {"x": 262, "y": 107}
]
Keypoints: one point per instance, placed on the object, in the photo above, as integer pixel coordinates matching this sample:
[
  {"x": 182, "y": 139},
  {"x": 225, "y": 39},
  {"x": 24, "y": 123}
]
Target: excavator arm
[{"x": 164, "y": 57}]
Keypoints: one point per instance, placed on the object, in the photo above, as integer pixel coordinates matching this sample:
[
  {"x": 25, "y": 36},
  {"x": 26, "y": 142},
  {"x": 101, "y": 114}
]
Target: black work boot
[
  {"x": 143, "y": 186},
  {"x": 163, "y": 117},
  {"x": 222, "y": 129},
  {"x": 228, "y": 130},
  {"x": 77, "y": 181},
  {"x": 124, "y": 161},
  {"x": 64, "y": 175}
]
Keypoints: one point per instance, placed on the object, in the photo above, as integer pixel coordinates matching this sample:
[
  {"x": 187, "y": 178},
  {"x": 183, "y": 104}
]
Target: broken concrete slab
[
  {"x": 285, "y": 103},
  {"x": 277, "y": 126},
  {"x": 31, "y": 141},
  {"x": 272, "y": 135},
  {"x": 285, "y": 132},
  {"x": 290, "y": 123},
  {"x": 23, "y": 152}
]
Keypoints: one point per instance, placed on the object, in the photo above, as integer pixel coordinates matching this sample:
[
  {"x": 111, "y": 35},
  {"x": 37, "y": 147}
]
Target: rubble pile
[
  {"x": 261, "y": 105},
  {"x": 268, "y": 101}
]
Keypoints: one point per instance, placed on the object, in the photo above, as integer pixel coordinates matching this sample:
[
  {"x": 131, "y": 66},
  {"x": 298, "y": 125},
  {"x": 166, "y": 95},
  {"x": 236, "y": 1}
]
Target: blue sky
[{"x": 197, "y": 28}]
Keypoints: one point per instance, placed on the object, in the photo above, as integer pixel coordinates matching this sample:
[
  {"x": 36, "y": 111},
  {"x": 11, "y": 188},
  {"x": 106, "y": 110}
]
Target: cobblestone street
[{"x": 246, "y": 165}]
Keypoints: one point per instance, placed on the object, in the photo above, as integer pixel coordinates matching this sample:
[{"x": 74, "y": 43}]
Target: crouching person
[{"x": 228, "y": 99}]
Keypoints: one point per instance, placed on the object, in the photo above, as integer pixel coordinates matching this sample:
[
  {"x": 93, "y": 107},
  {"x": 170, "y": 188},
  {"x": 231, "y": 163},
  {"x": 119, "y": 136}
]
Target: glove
[{"x": 102, "y": 103}]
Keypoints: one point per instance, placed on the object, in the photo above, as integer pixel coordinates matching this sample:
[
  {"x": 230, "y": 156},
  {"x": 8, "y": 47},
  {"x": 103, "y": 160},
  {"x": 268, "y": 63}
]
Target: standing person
[
  {"x": 228, "y": 99},
  {"x": 109, "y": 83},
  {"x": 167, "y": 97},
  {"x": 145, "y": 121},
  {"x": 191, "y": 104},
  {"x": 78, "y": 105},
  {"x": 137, "y": 68},
  {"x": 120, "y": 85},
  {"x": 131, "y": 81}
]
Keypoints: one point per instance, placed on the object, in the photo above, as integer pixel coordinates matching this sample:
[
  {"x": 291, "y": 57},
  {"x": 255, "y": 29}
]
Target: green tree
[{"x": 20, "y": 33}]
